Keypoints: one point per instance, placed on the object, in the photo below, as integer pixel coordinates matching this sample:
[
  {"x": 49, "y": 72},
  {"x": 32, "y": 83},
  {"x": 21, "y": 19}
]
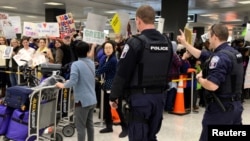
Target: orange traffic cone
[
  {"x": 179, "y": 107},
  {"x": 115, "y": 116}
]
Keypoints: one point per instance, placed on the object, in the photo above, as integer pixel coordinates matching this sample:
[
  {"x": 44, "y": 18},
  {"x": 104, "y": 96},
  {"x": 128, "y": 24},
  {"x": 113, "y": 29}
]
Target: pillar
[
  {"x": 175, "y": 14},
  {"x": 51, "y": 13}
]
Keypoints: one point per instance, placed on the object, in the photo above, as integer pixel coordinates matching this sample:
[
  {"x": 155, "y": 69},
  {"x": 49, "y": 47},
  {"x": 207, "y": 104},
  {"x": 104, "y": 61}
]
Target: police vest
[
  {"x": 154, "y": 63},
  {"x": 234, "y": 80}
]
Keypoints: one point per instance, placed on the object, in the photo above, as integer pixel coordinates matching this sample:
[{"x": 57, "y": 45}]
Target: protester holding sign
[
  {"x": 43, "y": 49},
  {"x": 12, "y": 63},
  {"x": 3, "y": 75}
]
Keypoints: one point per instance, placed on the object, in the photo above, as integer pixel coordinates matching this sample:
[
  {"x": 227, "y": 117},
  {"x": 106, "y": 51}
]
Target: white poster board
[
  {"x": 96, "y": 22},
  {"x": 48, "y": 29},
  {"x": 30, "y": 29},
  {"x": 247, "y": 36},
  {"x": 7, "y": 52},
  {"x": 7, "y": 29},
  {"x": 66, "y": 24},
  {"x": 93, "y": 36},
  {"x": 160, "y": 26},
  {"x": 124, "y": 19},
  {"x": 16, "y": 23},
  {"x": 2, "y": 61},
  {"x": 247, "y": 76},
  {"x": 24, "y": 55}
]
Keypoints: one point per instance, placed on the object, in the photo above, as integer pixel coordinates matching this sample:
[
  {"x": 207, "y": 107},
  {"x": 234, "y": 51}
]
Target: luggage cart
[
  {"x": 42, "y": 114},
  {"x": 67, "y": 112}
]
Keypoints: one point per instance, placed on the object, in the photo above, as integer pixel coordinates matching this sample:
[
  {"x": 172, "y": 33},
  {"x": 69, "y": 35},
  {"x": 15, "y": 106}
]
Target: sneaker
[
  {"x": 123, "y": 134},
  {"x": 106, "y": 130}
]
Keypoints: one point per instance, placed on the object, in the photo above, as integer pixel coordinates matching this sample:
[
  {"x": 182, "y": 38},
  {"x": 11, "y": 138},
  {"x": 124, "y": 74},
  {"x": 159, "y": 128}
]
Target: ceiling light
[
  {"x": 207, "y": 15},
  {"x": 110, "y": 12},
  {"x": 53, "y": 3},
  {"x": 244, "y": 2},
  {"x": 31, "y": 16},
  {"x": 8, "y": 7}
]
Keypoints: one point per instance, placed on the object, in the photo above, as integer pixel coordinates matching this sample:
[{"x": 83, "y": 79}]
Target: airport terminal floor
[{"x": 174, "y": 127}]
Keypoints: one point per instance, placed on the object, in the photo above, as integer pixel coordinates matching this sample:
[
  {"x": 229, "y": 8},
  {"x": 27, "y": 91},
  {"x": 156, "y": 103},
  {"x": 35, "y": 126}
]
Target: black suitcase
[{"x": 18, "y": 97}]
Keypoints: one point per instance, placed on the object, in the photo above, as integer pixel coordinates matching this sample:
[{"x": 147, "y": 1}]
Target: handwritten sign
[
  {"x": 247, "y": 77},
  {"x": 48, "y": 29},
  {"x": 22, "y": 55},
  {"x": 8, "y": 29},
  {"x": 7, "y": 52},
  {"x": 247, "y": 36},
  {"x": 93, "y": 25},
  {"x": 116, "y": 23},
  {"x": 16, "y": 23},
  {"x": 93, "y": 36},
  {"x": 2, "y": 61},
  {"x": 66, "y": 23},
  {"x": 30, "y": 29},
  {"x": 3, "y": 16}
]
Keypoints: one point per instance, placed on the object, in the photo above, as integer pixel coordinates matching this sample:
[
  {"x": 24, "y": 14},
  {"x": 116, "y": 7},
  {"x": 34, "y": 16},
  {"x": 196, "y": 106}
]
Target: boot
[
  {"x": 124, "y": 132},
  {"x": 108, "y": 129}
]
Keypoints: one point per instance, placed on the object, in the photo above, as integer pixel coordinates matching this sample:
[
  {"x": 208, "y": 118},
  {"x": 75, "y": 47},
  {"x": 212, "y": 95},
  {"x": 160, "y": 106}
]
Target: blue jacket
[
  {"x": 108, "y": 68},
  {"x": 82, "y": 79}
]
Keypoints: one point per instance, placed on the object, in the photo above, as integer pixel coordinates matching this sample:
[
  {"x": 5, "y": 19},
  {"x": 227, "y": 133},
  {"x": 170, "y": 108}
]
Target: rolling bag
[
  {"x": 18, "y": 97},
  {"x": 5, "y": 114},
  {"x": 18, "y": 126}
]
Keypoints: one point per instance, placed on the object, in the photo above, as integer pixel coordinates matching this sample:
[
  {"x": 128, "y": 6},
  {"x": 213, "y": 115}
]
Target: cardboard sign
[
  {"x": 30, "y": 29},
  {"x": 7, "y": 52},
  {"x": 92, "y": 23},
  {"x": 7, "y": 29},
  {"x": 66, "y": 24},
  {"x": 93, "y": 36},
  {"x": 161, "y": 25},
  {"x": 247, "y": 36},
  {"x": 48, "y": 29},
  {"x": 116, "y": 24},
  {"x": 247, "y": 76},
  {"x": 16, "y": 23},
  {"x": 2, "y": 61}
]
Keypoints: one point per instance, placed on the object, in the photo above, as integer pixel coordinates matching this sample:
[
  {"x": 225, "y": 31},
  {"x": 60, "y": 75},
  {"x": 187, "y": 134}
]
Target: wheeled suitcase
[
  {"x": 18, "y": 126},
  {"x": 5, "y": 114},
  {"x": 18, "y": 97}
]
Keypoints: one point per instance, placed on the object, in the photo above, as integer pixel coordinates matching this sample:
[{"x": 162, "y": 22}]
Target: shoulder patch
[
  {"x": 214, "y": 61},
  {"x": 124, "y": 51}
]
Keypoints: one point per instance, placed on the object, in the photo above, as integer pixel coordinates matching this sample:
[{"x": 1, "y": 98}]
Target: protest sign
[
  {"x": 2, "y": 61},
  {"x": 48, "y": 29},
  {"x": 66, "y": 24},
  {"x": 16, "y": 23},
  {"x": 30, "y": 29},
  {"x": 7, "y": 52},
  {"x": 93, "y": 36}
]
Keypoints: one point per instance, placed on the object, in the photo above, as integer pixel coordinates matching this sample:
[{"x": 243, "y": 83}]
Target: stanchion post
[
  {"x": 18, "y": 75},
  {"x": 192, "y": 71},
  {"x": 101, "y": 108}
]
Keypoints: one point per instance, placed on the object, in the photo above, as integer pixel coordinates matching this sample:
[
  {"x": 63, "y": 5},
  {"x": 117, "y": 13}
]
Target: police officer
[
  {"x": 221, "y": 77},
  {"x": 142, "y": 74}
]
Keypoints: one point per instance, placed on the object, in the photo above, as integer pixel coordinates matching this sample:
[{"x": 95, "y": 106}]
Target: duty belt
[
  {"x": 222, "y": 99},
  {"x": 146, "y": 91}
]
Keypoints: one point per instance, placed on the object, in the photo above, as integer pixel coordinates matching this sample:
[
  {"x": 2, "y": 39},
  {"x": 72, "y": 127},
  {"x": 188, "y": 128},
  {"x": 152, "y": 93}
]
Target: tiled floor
[{"x": 174, "y": 127}]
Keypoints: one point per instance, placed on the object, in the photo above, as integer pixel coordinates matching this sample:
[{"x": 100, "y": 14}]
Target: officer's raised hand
[{"x": 181, "y": 38}]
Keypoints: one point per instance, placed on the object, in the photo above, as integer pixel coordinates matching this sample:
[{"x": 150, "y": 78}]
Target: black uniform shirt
[
  {"x": 220, "y": 64},
  {"x": 128, "y": 62}
]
